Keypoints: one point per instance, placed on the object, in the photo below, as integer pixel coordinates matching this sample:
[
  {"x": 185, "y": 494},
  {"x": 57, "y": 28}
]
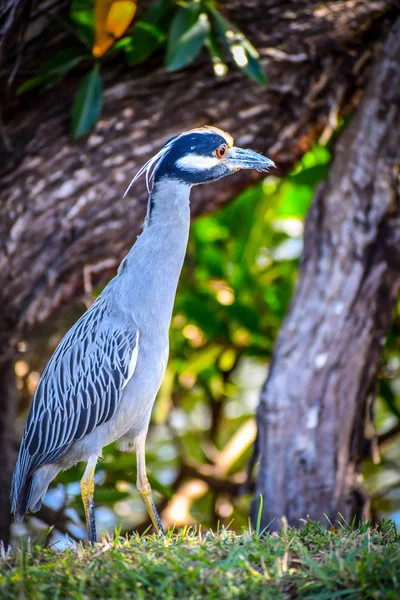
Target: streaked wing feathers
[{"x": 82, "y": 384}]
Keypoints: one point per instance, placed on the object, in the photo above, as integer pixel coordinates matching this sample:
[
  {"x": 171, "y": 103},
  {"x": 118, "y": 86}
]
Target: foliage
[
  {"x": 87, "y": 103},
  {"x": 314, "y": 563},
  {"x": 101, "y": 29}
]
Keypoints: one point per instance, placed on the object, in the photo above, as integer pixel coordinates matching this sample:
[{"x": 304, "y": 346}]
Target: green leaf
[
  {"x": 309, "y": 176},
  {"x": 122, "y": 44},
  {"x": 34, "y": 82},
  {"x": 219, "y": 65},
  {"x": 146, "y": 38},
  {"x": 184, "y": 19},
  {"x": 202, "y": 359},
  {"x": 244, "y": 315},
  {"x": 187, "y": 35},
  {"x": 149, "y": 33},
  {"x": 65, "y": 60},
  {"x": 55, "y": 69},
  {"x": 87, "y": 103},
  {"x": 242, "y": 51},
  {"x": 209, "y": 229},
  {"x": 82, "y": 16},
  {"x": 198, "y": 310},
  {"x": 389, "y": 397}
]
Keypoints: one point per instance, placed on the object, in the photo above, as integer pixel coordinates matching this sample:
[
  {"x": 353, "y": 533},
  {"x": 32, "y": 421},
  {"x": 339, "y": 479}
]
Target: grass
[{"x": 315, "y": 563}]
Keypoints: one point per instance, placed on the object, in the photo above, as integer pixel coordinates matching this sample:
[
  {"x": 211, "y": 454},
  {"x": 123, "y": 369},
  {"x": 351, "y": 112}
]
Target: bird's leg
[
  {"x": 143, "y": 485},
  {"x": 87, "y": 489}
]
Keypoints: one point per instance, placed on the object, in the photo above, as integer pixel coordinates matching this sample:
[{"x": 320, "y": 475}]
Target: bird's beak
[{"x": 242, "y": 158}]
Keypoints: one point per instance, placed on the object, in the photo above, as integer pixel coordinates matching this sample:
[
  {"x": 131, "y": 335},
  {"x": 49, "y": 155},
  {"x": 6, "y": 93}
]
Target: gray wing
[{"x": 81, "y": 386}]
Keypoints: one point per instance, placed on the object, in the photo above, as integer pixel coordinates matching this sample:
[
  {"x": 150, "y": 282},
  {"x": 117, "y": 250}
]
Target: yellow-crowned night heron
[{"x": 101, "y": 382}]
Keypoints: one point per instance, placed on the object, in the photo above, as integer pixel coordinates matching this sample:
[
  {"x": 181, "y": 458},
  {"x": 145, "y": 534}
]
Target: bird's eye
[{"x": 220, "y": 152}]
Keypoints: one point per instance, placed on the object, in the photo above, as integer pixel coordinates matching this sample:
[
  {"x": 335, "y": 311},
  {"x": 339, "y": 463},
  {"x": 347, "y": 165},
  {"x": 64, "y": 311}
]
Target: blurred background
[{"x": 95, "y": 89}]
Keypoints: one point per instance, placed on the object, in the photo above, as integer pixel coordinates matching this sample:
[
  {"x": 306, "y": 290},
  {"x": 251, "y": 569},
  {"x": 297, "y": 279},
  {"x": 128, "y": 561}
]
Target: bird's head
[{"x": 199, "y": 156}]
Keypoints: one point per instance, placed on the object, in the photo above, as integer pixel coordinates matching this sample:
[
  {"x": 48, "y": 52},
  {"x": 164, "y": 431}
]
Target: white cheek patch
[{"x": 194, "y": 162}]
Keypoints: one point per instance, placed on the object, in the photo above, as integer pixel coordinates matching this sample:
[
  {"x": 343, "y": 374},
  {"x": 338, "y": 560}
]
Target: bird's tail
[
  {"x": 20, "y": 488},
  {"x": 29, "y": 485}
]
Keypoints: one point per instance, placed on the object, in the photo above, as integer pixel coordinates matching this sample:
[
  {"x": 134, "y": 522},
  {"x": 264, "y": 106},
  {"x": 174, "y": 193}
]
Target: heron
[{"x": 102, "y": 380}]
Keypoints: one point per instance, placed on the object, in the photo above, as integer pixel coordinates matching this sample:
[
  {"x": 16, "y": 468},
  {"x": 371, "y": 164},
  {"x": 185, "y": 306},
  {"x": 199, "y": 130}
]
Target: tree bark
[
  {"x": 61, "y": 207},
  {"x": 315, "y": 406}
]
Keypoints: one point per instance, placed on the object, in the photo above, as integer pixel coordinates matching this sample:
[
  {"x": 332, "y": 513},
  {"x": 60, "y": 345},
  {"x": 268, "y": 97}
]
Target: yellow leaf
[
  {"x": 112, "y": 19},
  {"x": 120, "y": 17}
]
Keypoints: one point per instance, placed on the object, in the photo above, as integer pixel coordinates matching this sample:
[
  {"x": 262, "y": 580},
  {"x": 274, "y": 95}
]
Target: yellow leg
[
  {"x": 87, "y": 490},
  {"x": 144, "y": 488}
]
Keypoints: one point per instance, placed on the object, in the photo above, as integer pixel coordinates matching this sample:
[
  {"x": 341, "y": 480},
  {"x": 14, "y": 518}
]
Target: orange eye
[{"x": 221, "y": 151}]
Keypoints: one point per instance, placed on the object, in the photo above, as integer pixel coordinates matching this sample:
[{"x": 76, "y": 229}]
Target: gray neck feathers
[
  {"x": 168, "y": 203},
  {"x": 149, "y": 275}
]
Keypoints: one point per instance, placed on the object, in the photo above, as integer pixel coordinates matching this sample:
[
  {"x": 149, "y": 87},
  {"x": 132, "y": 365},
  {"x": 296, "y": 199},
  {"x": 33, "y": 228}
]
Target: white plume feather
[{"x": 149, "y": 168}]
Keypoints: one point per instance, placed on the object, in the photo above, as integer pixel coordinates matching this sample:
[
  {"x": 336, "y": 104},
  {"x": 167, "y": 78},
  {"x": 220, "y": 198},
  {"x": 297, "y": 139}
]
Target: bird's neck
[
  {"x": 168, "y": 204},
  {"x": 151, "y": 270}
]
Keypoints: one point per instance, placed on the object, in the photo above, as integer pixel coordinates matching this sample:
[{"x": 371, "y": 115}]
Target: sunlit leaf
[
  {"x": 187, "y": 35},
  {"x": 294, "y": 199},
  {"x": 87, "y": 104},
  {"x": 242, "y": 51},
  {"x": 202, "y": 359},
  {"x": 122, "y": 44},
  {"x": 217, "y": 59},
  {"x": 82, "y": 16},
  {"x": 309, "y": 176},
  {"x": 227, "y": 359},
  {"x": 210, "y": 230}
]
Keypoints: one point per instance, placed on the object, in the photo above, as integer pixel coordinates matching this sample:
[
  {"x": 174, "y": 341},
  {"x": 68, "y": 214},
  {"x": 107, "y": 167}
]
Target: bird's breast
[{"x": 134, "y": 411}]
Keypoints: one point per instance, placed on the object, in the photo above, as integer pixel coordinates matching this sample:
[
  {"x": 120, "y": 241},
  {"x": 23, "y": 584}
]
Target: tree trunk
[{"x": 315, "y": 405}]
